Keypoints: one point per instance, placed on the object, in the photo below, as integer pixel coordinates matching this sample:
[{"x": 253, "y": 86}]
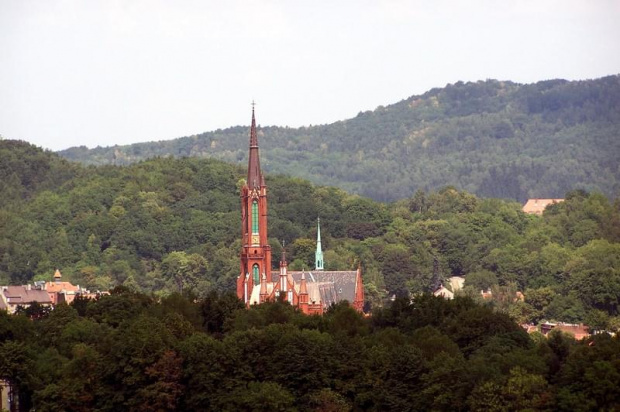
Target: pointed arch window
[
  {"x": 255, "y": 275},
  {"x": 255, "y": 217}
]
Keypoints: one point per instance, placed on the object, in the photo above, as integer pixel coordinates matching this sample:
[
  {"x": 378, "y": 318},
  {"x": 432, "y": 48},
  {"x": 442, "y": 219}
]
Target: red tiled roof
[{"x": 60, "y": 286}]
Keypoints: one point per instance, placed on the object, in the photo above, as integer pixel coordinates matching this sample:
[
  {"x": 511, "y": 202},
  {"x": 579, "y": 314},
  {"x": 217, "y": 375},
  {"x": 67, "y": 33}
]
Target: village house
[
  {"x": 13, "y": 297},
  {"x": 579, "y": 331},
  {"x": 44, "y": 293}
]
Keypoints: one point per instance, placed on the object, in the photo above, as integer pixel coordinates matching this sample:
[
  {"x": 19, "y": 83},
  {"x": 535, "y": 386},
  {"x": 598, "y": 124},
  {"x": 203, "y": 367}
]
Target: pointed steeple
[
  {"x": 255, "y": 178},
  {"x": 283, "y": 262},
  {"x": 318, "y": 256}
]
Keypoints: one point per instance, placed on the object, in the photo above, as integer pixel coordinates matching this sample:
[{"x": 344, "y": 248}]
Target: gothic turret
[{"x": 283, "y": 273}]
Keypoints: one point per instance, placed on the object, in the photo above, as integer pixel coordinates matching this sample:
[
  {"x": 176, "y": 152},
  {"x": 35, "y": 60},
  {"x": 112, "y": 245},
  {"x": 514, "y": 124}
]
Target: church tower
[
  {"x": 255, "y": 252},
  {"x": 318, "y": 255}
]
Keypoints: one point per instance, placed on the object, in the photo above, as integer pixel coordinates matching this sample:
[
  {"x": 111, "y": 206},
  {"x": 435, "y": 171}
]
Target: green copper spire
[{"x": 319, "y": 252}]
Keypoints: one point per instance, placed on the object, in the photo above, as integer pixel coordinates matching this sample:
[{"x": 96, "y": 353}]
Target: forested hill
[
  {"x": 167, "y": 225},
  {"x": 491, "y": 138}
]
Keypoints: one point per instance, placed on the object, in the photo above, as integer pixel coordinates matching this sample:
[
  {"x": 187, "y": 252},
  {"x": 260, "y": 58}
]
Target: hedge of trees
[{"x": 130, "y": 351}]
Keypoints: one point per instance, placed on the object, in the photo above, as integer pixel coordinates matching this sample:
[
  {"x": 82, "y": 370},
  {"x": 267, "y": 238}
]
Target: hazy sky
[{"x": 115, "y": 72}]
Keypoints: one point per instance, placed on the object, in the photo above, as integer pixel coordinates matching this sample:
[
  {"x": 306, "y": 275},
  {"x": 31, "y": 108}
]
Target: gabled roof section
[
  {"x": 344, "y": 282},
  {"x": 16, "y": 295}
]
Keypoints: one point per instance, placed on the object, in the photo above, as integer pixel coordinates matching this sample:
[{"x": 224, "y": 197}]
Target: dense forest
[
  {"x": 129, "y": 351},
  {"x": 490, "y": 138},
  {"x": 173, "y": 225}
]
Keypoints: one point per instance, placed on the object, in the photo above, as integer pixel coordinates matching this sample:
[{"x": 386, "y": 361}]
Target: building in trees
[
  {"x": 313, "y": 291},
  {"x": 13, "y": 297},
  {"x": 60, "y": 291},
  {"x": 579, "y": 331},
  {"x": 538, "y": 206}
]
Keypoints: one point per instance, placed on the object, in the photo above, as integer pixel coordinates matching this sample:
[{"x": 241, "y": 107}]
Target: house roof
[
  {"x": 444, "y": 293},
  {"x": 579, "y": 331},
  {"x": 61, "y": 287},
  {"x": 537, "y": 206},
  {"x": 16, "y": 295}
]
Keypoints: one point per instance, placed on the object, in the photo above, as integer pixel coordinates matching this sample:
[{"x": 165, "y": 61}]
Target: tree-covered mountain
[
  {"x": 491, "y": 138},
  {"x": 167, "y": 225}
]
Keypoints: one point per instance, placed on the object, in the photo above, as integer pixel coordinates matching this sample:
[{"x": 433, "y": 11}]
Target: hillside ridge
[{"x": 492, "y": 138}]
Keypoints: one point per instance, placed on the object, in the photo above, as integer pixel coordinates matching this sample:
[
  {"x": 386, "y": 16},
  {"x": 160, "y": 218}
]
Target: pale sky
[{"x": 117, "y": 72}]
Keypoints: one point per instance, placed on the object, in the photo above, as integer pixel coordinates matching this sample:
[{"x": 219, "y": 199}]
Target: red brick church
[{"x": 311, "y": 291}]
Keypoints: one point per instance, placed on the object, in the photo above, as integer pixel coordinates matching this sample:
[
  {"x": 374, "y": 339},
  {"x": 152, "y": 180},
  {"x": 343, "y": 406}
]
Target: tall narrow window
[
  {"x": 255, "y": 275},
  {"x": 255, "y": 217}
]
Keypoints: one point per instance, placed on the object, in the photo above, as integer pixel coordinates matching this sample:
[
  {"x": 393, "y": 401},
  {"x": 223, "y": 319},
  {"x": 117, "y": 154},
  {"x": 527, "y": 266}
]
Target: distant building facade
[
  {"x": 312, "y": 291},
  {"x": 579, "y": 331},
  {"x": 44, "y": 293},
  {"x": 13, "y": 297}
]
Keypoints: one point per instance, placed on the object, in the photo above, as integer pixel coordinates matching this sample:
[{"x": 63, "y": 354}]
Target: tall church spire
[
  {"x": 255, "y": 252},
  {"x": 255, "y": 179},
  {"x": 318, "y": 256}
]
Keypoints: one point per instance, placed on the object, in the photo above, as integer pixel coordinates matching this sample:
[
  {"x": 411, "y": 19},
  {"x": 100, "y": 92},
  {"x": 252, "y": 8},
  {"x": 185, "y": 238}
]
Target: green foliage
[
  {"x": 425, "y": 354},
  {"x": 171, "y": 225}
]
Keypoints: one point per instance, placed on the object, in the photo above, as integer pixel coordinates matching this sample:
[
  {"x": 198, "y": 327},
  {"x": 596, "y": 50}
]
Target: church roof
[
  {"x": 255, "y": 294},
  {"x": 323, "y": 293},
  {"x": 344, "y": 283}
]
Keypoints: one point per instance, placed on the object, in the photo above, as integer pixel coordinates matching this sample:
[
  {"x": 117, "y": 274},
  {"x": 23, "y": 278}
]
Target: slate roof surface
[{"x": 343, "y": 283}]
